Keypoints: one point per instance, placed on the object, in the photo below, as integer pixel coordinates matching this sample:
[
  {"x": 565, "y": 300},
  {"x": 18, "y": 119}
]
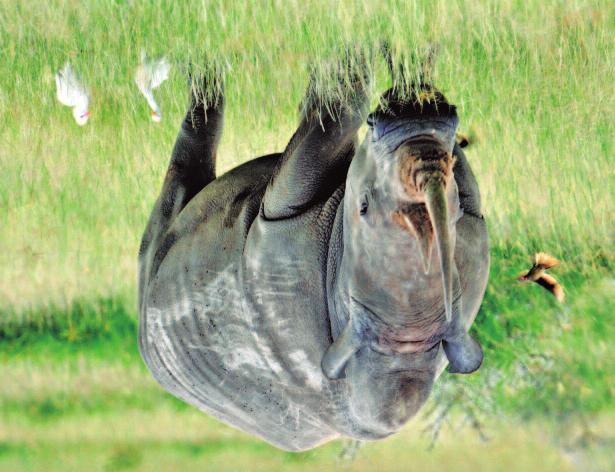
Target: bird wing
[
  {"x": 150, "y": 75},
  {"x": 70, "y": 90},
  {"x": 552, "y": 286},
  {"x": 142, "y": 79},
  {"x": 546, "y": 261},
  {"x": 159, "y": 72}
]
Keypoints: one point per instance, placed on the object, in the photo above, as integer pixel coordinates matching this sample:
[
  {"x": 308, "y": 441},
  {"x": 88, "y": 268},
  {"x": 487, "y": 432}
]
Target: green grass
[
  {"x": 529, "y": 79},
  {"x": 532, "y": 83}
]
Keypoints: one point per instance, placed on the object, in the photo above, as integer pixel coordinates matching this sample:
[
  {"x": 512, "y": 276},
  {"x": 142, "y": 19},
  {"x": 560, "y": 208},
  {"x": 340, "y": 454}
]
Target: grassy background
[{"x": 532, "y": 83}]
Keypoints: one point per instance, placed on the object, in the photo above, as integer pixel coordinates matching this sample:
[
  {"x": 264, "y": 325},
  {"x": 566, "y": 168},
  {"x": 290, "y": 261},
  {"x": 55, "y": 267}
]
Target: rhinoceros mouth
[
  {"x": 391, "y": 340},
  {"x": 391, "y": 346}
]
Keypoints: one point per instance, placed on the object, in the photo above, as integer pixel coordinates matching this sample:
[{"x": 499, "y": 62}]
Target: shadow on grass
[
  {"x": 76, "y": 404},
  {"x": 124, "y": 455},
  {"x": 98, "y": 324},
  {"x": 82, "y": 320}
]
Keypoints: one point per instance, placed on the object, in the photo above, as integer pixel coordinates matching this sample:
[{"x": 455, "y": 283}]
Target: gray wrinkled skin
[{"x": 247, "y": 279}]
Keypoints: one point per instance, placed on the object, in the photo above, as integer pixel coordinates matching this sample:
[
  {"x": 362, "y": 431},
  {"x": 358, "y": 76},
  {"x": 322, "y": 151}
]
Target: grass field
[{"x": 533, "y": 83}]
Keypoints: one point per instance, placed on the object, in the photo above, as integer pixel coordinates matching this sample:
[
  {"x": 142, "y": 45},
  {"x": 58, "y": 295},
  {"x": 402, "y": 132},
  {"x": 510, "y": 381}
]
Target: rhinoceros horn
[{"x": 435, "y": 199}]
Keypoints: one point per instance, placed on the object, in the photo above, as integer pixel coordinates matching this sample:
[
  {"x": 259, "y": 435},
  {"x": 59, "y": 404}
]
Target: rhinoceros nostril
[
  {"x": 414, "y": 218},
  {"x": 421, "y": 161}
]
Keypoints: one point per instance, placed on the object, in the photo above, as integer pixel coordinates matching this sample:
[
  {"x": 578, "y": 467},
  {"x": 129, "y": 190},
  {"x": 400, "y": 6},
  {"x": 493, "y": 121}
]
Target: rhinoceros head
[{"x": 400, "y": 209}]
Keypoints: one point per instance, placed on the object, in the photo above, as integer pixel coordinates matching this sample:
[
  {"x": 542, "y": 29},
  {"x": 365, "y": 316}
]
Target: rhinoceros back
[{"x": 234, "y": 317}]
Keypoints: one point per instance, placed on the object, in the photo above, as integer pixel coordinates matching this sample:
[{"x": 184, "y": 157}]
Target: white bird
[
  {"x": 150, "y": 75},
  {"x": 72, "y": 93}
]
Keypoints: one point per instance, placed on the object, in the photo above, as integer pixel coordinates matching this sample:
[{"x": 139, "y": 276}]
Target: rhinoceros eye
[{"x": 363, "y": 207}]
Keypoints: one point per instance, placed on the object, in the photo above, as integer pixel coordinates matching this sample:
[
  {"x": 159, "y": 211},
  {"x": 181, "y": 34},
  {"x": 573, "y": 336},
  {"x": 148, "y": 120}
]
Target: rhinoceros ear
[
  {"x": 339, "y": 353},
  {"x": 464, "y": 354}
]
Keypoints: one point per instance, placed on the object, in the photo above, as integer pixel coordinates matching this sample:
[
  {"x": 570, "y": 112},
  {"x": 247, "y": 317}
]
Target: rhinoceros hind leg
[
  {"x": 192, "y": 167},
  {"x": 193, "y": 160}
]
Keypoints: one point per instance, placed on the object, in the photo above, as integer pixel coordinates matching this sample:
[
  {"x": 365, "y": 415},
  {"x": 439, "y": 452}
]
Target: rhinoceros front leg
[
  {"x": 317, "y": 157},
  {"x": 469, "y": 195},
  {"x": 192, "y": 167}
]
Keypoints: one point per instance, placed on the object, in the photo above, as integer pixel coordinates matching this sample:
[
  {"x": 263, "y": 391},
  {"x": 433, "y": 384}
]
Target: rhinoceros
[{"x": 297, "y": 296}]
